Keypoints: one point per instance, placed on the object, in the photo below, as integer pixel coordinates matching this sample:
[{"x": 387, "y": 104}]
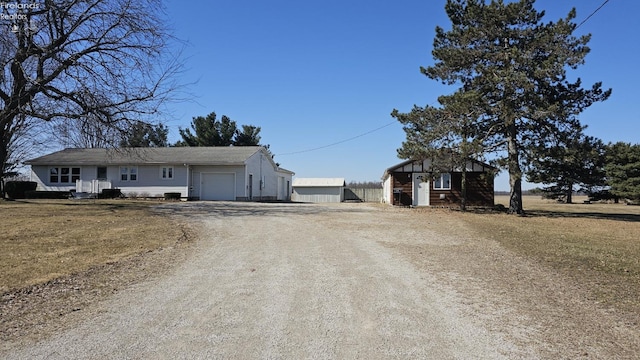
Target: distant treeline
[
  {"x": 535, "y": 191},
  {"x": 524, "y": 192},
  {"x": 364, "y": 185}
]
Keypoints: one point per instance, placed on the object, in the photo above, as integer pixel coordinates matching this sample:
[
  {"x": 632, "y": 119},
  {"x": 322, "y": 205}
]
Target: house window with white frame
[
  {"x": 64, "y": 175},
  {"x": 442, "y": 182},
  {"x": 128, "y": 173},
  {"x": 166, "y": 172}
]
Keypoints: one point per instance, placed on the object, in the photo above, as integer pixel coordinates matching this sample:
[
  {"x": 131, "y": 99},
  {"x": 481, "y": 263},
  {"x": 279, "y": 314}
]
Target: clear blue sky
[{"x": 313, "y": 73}]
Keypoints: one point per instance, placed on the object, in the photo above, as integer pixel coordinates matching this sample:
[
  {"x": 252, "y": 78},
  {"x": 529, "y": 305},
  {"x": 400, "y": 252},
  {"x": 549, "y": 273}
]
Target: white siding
[
  {"x": 318, "y": 194},
  {"x": 149, "y": 182},
  {"x": 286, "y": 184},
  {"x": 387, "y": 192},
  {"x": 276, "y": 183},
  {"x": 265, "y": 173},
  {"x": 152, "y": 191}
]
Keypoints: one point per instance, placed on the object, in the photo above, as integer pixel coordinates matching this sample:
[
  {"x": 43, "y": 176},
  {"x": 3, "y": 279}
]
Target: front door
[
  {"x": 420, "y": 189},
  {"x": 250, "y": 187}
]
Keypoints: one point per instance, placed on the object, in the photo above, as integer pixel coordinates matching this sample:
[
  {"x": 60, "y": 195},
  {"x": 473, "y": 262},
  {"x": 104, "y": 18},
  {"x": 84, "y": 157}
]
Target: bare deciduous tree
[
  {"x": 106, "y": 62},
  {"x": 85, "y": 133}
]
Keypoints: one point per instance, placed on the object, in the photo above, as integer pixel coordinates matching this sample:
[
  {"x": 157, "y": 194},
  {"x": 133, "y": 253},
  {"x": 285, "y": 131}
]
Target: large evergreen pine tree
[
  {"x": 574, "y": 163},
  {"x": 444, "y": 135},
  {"x": 146, "y": 135},
  {"x": 518, "y": 64},
  {"x": 623, "y": 170},
  {"x": 209, "y": 131}
]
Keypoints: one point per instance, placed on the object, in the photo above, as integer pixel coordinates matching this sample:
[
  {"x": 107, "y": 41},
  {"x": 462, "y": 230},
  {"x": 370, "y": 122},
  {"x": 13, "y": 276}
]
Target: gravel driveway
[{"x": 347, "y": 281}]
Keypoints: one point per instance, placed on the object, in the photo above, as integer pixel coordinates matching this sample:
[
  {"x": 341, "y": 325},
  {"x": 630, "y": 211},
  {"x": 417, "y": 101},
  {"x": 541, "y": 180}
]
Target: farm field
[{"x": 596, "y": 244}]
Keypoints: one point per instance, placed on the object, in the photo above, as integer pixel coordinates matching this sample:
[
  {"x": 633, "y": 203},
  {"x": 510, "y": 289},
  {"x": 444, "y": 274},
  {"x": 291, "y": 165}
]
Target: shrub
[
  {"x": 110, "y": 194},
  {"x": 32, "y": 194},
  {"x": 172, "y": 196},
  {"x": 17, "y": 189}
]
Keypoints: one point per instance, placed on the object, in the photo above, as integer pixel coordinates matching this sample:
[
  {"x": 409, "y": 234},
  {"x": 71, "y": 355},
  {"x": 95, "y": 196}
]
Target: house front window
[
  {"x": 166, "y": 172},
  {"x": 128, "y": 173},
  {"x": 101, "y": 173},
  {"x": 442, "y": 182},
  {"x": 64, "y": 175}
]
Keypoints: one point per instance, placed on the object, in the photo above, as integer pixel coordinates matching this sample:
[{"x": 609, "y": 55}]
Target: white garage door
[{"x": 218, "y": 186}]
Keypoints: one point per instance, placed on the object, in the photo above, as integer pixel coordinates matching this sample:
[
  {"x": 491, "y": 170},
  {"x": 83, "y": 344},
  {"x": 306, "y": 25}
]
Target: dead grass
[
  {"x": 595, "y": 244},
  {"x": 45, "y": 240}
]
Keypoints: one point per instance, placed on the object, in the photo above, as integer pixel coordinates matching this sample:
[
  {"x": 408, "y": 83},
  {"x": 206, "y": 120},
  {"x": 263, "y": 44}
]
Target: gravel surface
[{"x": 347, "y": 281}]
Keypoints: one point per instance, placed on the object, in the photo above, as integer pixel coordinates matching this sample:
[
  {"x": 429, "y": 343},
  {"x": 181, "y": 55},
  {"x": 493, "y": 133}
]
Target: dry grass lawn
[
  {"x": 598, "y": 245},
  {"x": 48, "y": 239}
]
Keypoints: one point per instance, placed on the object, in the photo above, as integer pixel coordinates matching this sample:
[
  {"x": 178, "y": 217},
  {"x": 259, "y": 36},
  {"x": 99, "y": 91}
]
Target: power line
[
  {"x": 341, "y": 141},
  {"x": 593, "y": 13},
  {"x": 393, "y": 122}
]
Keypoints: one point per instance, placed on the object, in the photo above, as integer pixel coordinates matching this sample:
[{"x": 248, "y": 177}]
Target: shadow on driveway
[
  {"x": 228, "y": 208},
  {"x": 588, "y": 215}
]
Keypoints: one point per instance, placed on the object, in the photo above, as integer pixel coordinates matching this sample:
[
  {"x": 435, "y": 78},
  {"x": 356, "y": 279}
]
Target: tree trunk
[
  {"x": 569, "y": 194},
  {"x": 463, "y": 189},
  {"x": 4, "y": 155},
  {"x": 515, "y": 173}
]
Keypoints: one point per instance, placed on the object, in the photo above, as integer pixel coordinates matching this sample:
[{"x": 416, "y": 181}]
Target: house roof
[
  {"x": 422, "y": 167},
  {"x": 221, "y": 155},
  {"x": 318, "y": 182}
]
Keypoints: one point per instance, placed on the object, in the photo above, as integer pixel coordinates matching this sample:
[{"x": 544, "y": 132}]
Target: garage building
[{"x": 318, "y": 190}]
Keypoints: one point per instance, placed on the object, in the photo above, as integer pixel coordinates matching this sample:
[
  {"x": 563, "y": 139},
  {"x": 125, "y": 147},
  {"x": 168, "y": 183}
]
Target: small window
[
  {"x": 75, "y": 174},
  {"x": 64, "y": 175},
  {"x": 53, "y": 175},
  {"x": 128, "y": 173},
  {"x": 102, "y": 173},
  {"x": 166, "y": 172},
  {"x": 442, "y": 182}
]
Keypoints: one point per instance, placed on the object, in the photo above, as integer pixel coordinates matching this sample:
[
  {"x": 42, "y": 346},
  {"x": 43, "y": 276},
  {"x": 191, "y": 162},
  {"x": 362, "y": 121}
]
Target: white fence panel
[{"x": 92, "y": 186}]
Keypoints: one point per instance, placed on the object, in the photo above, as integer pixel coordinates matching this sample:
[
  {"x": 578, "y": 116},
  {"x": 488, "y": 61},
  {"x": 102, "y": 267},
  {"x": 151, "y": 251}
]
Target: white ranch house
[{"x": 243, "y": 173}]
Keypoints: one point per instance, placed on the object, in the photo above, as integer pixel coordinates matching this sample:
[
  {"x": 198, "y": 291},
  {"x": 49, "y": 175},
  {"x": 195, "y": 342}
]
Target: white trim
[
  {"x": 170, "y": 172},
  {"x": 441, "y": 181},
  {"x": 129, "y": 173},
  {"x": 188, "y": 185},
  {"x": 59, "y": 175},
  {"x": 420, "y": 181}
]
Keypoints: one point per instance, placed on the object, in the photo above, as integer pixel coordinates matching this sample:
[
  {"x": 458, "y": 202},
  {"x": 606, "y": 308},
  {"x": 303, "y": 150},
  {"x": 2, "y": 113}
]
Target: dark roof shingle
[{"x": 140, "y": 156}]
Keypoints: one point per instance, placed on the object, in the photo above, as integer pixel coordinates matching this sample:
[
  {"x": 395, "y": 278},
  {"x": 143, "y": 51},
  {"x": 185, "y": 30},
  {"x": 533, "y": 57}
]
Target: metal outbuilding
[{"x": 318, "y": 190}]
